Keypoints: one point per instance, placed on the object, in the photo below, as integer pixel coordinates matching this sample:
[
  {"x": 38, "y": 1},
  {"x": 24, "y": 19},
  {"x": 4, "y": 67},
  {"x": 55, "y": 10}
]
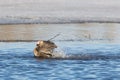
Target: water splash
[{"x": 59, "y": 53}]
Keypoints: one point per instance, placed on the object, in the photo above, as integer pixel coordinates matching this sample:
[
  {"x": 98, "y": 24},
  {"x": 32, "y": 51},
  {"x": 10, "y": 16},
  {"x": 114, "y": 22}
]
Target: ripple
[{"x": 74, "y": 61}]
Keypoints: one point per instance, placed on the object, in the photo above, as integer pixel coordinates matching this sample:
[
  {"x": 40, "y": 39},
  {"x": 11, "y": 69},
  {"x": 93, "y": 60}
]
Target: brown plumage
[{"x": 44, "y": 49}]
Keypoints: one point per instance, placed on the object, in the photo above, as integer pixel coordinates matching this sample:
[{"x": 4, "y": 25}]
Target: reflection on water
[{"x": 73, "y": 32}]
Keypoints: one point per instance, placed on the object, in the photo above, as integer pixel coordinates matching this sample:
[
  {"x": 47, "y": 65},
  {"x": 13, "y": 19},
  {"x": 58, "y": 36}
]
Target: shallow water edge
[{"x": 84, "y": 32}]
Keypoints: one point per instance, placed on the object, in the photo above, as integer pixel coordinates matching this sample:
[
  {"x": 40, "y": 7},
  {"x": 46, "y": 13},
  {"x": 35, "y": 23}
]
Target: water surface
[{"x": 92, "y": 50}]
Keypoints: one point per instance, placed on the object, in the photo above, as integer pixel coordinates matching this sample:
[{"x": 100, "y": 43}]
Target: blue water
[{"x": 84, "y": 61}]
